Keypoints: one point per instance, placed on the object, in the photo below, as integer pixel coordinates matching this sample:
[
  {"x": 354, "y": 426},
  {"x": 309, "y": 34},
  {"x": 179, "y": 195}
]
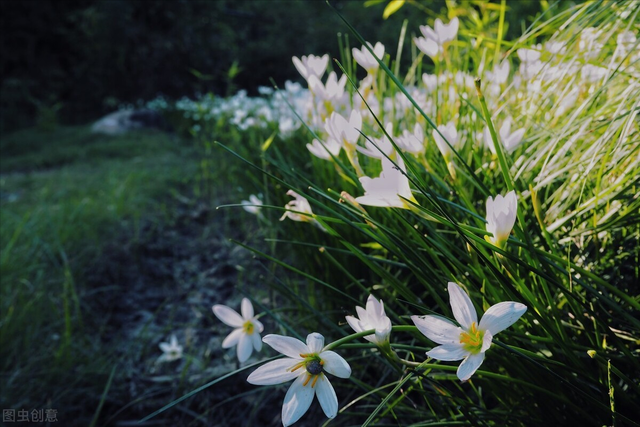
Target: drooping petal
[
  {"x": 502, "y": 315},
  {"x": 462, "y": 307},
  {"x": 228, "y": 316},
  {"x": 288, "y": 346},
  {"x": 247, "y": 309},
  {"x": 233, "y": 338},
  {"x": 245, "y": 347},
  {"x": 335, "y": 364},
  {"x": 315, "y": 342},
  {"x": 448, "y": 352},
  {"x": 274, "y": 372},
  {"x": 327, "y": 397},
  {"x": 257, "y": 342},
  {"x": 438, "y": 329},
  {"x": 297, "y": 401},
  {"x": 469, "y": 366}
]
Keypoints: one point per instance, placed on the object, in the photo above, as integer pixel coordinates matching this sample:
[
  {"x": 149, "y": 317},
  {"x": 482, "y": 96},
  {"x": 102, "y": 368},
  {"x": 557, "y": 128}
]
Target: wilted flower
[
  {"x": 366, "y": 60},
  {"x": 170, "y": 350},
  {"x": 501, "y": 216},
  {"x": 311, "y": 65},
  {"x": 246, "y": 334},
  {"x": 510, "y": 140},
  {"x": 388, "y": 188},
  {"x": 470, "y": 340},
  {"x": 373, "y": 317},
  {"x": 252, "y": 205},
  {"x": 307, "y": 363}
]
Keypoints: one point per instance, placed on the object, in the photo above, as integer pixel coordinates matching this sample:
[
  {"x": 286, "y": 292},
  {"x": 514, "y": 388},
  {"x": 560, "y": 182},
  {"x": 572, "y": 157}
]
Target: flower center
[
  {"x": 248, "y": 327},
  {"x": 472, "y": 339},
  {"x": 313, "y": 365}
]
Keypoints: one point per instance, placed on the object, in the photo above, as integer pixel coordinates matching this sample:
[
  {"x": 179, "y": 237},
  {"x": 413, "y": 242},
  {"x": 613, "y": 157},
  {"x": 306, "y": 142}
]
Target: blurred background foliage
[{"x": 73, "y": 61}]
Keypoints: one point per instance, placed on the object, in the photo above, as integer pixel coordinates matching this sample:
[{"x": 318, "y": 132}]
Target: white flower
[
  {"x": 412, "y": 142},
  {"x": 470, "y": 340},
  {"x": 500, "y": 73},
  {"x": 302, "y": 208},
  {"x": 387, "y": 189},
  {"x": 343, "y": 131},
  {"x": 373, "y": 317},
  {"x": 510, "y": 140},
  {"x": 434, "y": 38},
  {"x": 427, "y": 46},
  {"x": 377, "y": 148},
  {"x": 366, "y": 60},
  {"x": 307, "y": 364},
  {"x": 323, "y": 149},
  {"x": 246, "y": 334},
  {"x": 430, "y": 81},
  {"x": 332, "y": 90},
  {"x": 252, "y": 205},
  {"x": 170, "y": 350},
  {"x": 311, "y": 65},
  {"x": 451, "y": 134},
  {"x": 501, "y": 216}
]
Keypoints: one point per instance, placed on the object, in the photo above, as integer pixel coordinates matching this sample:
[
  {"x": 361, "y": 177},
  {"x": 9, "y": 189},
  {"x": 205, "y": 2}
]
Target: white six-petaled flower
[
  {"x": 248, "y": 328},
  {"x": 373, "y": 317},
  {"x": 390, "y": 189},
  {"x": 308, "y": 364},
  {"x": 469, "y": 341},
  {"x": 170, "y": 350},
  {"x": 366, "y": 60},
  {"x": 501, "y": 216}
]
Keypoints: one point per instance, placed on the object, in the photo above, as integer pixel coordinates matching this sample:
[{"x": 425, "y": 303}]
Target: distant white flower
[
  {"x": 470, "y": 340},
  {"x": 412, "y": 142},
  {"x": 311, "y": 65},
  {"x": 435, "y": 38},
  {"x": 529, "y": 55},
  {"x": 248, "y": 328},
  {"x": 501, "y": 216},
  {"x": 367, "y": 61},
  {"x": 170, "y": 350},
  {"x": 324, "y": 150},
  {"x": 626, "y": 40},
  {"x": 427, "y": 46},
  {"x": 252, "y": 205},
  {"x": 451, "y": 134},
  {"x": 430, "y": 81},
  {"x": 332, "y": 90},
  {"x": 373, "y": 317},
  {"x": 510, "y": 140},
  {"x": 500, "y": 73},
  {"x": 388, "y": 188},
  {"x": 593, "y": 73},
  {"x": 590, "y": 42},
  {"x": 307, "y": 364}
]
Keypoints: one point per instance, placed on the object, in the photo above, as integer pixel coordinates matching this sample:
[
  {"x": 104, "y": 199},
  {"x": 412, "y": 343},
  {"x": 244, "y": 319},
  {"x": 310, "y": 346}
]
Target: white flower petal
[
  {"x": 487, "y": 339},
  {"x": 275, "y": 372},
  {"x": 502, "y": 315},
  {"x": 327, "y": 397},
  {"x": 297, "y": 401},
  {"x": 228, "y": 316},
  {"x": 247, "y": 309},
  {"x": 257, "y": 325},
  {"x": 354, "y": 323},
  {"x": 335, "y": 364},
  {"x": 315, "y": 342},
  {"x": 469, "y": 366},
  {"x": 257, "y": 341},
  {"x": 288, "y": 346},
  {"x": 438, "y": 329},
  {"x": 448, "y": 352},
  {"x": 165, "y": 347},
  {"x": 463, "y": 309},
  {"x": 233, "y": 338},
  {"x": 245, "y": 347}
]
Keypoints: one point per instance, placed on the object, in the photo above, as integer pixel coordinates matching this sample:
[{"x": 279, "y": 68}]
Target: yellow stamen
[
  {"x": 472, "y": 339},
  {"x": 296, "y": 367},
  {"x": 307, "y": 381},
  {"x": 315, "y": 380}
]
